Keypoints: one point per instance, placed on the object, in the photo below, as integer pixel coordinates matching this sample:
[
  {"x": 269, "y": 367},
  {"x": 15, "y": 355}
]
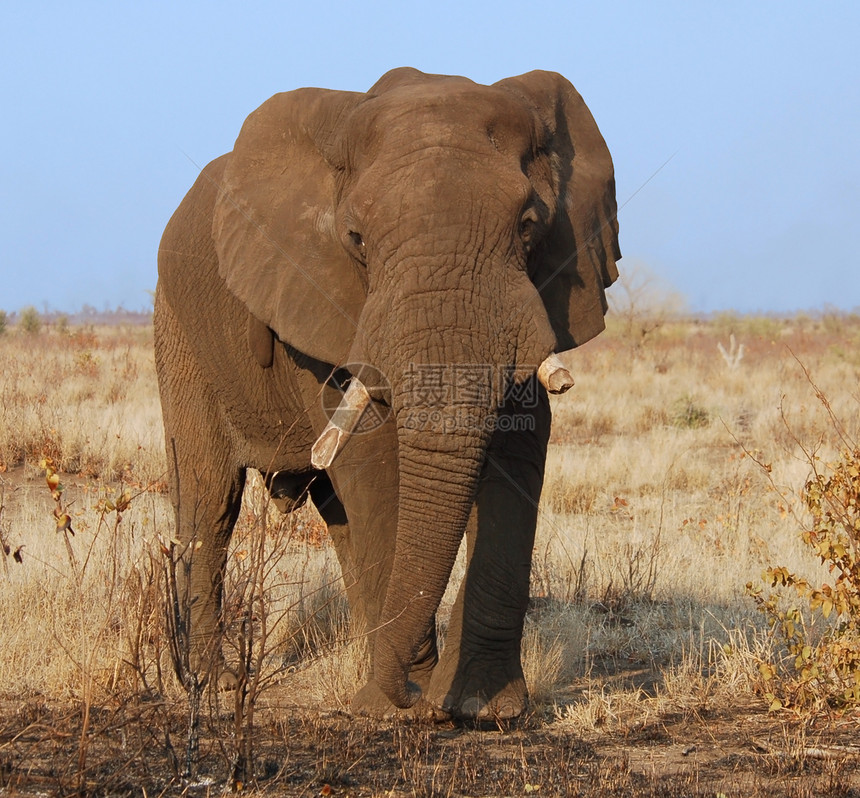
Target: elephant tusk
[
  {"x": 340, "y": 427},
  {"x": 554, "y": 376}
]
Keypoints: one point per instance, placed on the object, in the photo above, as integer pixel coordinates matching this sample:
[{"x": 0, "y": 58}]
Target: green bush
[
  {"x": 29, "y": 320},
  {"x": 689, "y": 415}
]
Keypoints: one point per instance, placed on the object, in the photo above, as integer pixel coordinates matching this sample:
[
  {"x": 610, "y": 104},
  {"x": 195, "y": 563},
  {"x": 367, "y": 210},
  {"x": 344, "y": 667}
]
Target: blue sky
[{"x": 110, "y": 108}]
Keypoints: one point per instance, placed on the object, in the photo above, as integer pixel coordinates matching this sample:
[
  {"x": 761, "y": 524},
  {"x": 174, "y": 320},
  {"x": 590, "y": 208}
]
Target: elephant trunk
[{"x": 439, "y": 472}]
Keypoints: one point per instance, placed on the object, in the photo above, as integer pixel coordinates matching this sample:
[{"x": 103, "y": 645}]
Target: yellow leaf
[
  {"x": 122, "y": 501},
  {"x": 64, "y": 522}
]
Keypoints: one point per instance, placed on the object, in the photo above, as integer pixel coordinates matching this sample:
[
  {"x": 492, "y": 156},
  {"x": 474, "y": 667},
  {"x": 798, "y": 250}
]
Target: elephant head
[{"x": 430, "y": 227}]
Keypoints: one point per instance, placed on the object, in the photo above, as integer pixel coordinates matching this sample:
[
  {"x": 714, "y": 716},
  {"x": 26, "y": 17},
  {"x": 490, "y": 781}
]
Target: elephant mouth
[{"x": 358, "y": 398}]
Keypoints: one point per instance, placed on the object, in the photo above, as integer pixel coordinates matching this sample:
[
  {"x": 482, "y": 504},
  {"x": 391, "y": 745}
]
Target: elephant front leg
[
  {"x": 206, "y": 486},
  {"x": 480, "y": 674},
  {"x": 207, "y": 508}
]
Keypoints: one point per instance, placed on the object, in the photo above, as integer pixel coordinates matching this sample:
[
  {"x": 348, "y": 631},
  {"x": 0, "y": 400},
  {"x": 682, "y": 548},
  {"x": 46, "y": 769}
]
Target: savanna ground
[{"x": 674, "y": 478}]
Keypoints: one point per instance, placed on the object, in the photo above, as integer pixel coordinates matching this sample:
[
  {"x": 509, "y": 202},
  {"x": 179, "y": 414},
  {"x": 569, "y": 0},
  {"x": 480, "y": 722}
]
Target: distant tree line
[{"x": 29, "y": 320}]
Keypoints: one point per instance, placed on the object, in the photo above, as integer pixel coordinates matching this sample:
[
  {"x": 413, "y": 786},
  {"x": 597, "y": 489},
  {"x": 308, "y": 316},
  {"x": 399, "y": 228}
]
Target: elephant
[{"x": 364, "y": 300}]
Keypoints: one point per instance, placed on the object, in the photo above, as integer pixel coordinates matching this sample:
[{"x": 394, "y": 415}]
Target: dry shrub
[
  {"x": 566, "y": 496},
  {"x": 820, "y": 635},
  {"x": 554, "y": 640},
  {"x": 29, "y": 320},
  {"x": 606, "y": 710},
  {"x": 83, "y": 601}
]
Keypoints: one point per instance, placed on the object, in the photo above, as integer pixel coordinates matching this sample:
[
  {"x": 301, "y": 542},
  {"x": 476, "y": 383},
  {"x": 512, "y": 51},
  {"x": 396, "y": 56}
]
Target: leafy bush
[
  {"x": 822, "y": 668},
  {"x": 3, "y": 321},
  {"x": 29, "y": 320}
]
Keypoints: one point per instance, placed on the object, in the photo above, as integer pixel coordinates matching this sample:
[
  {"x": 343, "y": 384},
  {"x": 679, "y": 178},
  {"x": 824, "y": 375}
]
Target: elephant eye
[{"x": 357, "y": 243}]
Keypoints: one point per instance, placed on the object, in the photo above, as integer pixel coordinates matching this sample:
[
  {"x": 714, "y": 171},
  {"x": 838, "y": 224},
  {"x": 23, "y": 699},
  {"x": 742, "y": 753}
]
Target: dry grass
[
  {"x": 87, "y": 397},
  {"x": 654, "y": 516}
]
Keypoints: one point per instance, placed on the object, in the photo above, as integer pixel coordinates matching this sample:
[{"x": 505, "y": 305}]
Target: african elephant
[{"x": 431, "y": 244}]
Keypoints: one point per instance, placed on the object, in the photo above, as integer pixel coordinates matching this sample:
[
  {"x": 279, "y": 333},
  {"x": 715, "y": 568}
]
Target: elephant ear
[
  {"x": 576, "y": 260},
  {"x": 274, "y": 224}
]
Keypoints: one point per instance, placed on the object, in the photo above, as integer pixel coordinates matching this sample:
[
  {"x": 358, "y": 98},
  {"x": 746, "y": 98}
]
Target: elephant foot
[
  {"x": 508, "y": 704},
  {"x": 488, "y": 694},
  {"x": 370, "y": 701}
]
